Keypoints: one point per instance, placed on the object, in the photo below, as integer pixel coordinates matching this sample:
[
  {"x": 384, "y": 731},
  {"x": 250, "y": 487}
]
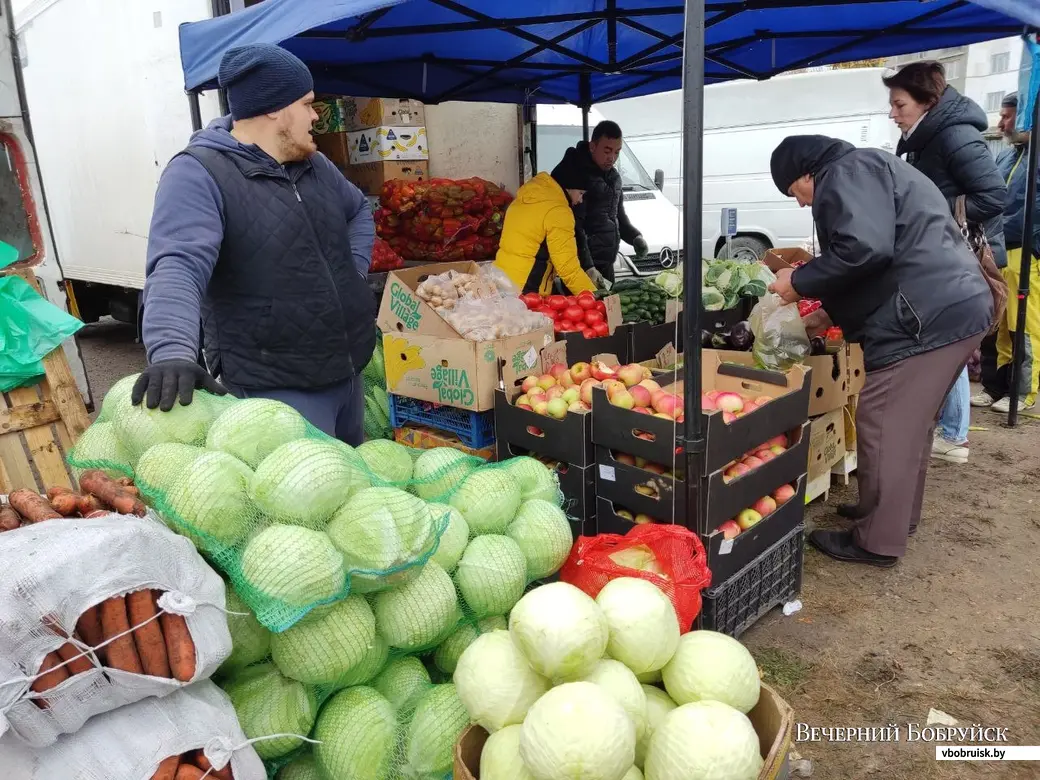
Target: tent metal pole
[
  {"x": 1027, "y": 256},
  {"x": 585, "y": 98},
  {"x": 195, "y": 110},
  {"x": 221, "y": 8},
  {"x": 693, "y": 440}
]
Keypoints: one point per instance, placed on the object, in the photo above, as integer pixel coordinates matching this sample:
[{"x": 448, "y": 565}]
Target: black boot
[
  {"x": 850, "y": 512},
  {"x": 841, "y": 546}
]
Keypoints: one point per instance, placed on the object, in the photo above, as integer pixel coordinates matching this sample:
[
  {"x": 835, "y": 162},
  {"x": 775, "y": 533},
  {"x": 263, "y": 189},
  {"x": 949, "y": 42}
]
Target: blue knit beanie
[{"x": 262, "y": 78}]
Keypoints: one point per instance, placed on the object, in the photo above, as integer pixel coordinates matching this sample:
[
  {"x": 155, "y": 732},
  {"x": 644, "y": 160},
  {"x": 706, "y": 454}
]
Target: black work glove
[
  {"x": 162, "y": 383},
  {"x": 640, "y": 246}
]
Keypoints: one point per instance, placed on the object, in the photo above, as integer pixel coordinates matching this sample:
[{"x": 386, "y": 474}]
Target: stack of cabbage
[
  {"x": 298, "y": 520},
  {"x": 369, "y": 676},
  {"x": 568, "y": 691},
  {"x": 377, "y": 403},
  {"x": 726, "y": 281}
]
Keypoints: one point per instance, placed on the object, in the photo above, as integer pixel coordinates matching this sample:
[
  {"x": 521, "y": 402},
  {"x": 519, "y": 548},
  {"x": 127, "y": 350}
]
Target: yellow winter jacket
[{"x": 538, "y": 240}]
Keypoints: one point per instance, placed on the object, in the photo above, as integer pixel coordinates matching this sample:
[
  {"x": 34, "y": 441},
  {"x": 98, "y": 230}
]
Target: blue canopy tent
[{"x": 589, "y": 51}]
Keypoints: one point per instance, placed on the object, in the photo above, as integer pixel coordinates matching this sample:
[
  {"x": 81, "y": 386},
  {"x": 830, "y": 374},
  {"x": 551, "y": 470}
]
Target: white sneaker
[
  {"x": 1003, "y": 406},
  {"x": 948, "y": 451},
  {"x": 983, "y": 400}
]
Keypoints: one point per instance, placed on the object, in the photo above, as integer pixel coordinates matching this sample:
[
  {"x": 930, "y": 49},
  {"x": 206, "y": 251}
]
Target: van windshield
[{"x": 554, "y": 140}]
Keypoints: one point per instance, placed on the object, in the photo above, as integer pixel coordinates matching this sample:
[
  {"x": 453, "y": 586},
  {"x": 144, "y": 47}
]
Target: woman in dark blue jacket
[{"x": 942, "y": 138}]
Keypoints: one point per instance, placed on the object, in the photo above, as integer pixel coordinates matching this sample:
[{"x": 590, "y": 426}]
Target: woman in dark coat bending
[{"x": 895, "y": 274}]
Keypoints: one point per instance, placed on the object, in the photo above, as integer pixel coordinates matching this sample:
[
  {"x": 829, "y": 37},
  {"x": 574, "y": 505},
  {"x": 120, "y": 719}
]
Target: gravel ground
[{"x": 110, "y": 351}]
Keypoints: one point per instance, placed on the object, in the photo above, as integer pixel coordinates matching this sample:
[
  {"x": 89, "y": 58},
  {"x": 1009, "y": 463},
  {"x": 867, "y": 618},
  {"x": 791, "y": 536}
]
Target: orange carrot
[
  {"x": 9, "y": 518},
  {"x": 51, "y": 675},
  {"x": 122, "y": 652},
  {"x": 89, "y": 626},
  {"x": 148, "y": 637},
  {"x": 89, "y": 503},
  {"x": 189, "y": 772},
  {"x": 32, "y": 506},
  {"x": 111, "y": 493},
  {"x": 167, "y": 768},
  {"x": 66, "y": 504},
  {"x": 69, "y": 651},
  {"x": 203, "y": 763},
  {"x": 180, "y": 648}
]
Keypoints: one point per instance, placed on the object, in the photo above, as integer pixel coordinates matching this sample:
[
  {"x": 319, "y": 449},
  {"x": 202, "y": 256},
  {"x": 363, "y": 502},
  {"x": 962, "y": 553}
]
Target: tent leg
[
  {"x": 1024, "y": 269},
  {"x": 585, "y": 90},
  {"x": 693, "y": 442},
  {"x": 195, "y": 110}
]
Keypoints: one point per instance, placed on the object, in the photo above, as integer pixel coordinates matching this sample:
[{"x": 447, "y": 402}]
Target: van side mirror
[{"x": 659, "y": 179}]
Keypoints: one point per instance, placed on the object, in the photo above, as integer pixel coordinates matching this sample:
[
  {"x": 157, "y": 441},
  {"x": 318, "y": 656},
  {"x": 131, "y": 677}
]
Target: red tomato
[
  {"x": 532, "y": 300},
  {"x": 601, "y": 329},
  {"x": 572, "y": 300},
  {"x": 557, "y": 302},
  {"x": 589, "y": 333},
  {"x": 592, "y": 317},
  {"x": 543, "y": 309},
  {"x": 586, "y": 300},
  {"x": 556, "y": 327},
  {"x": 566, "y": 325},
  {"x": 574, "y": 313},
  {"x": 601, "y": 307}
]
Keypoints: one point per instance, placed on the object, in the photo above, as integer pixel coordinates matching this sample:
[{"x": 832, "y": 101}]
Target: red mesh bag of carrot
[{"x": 669, "y": 556}]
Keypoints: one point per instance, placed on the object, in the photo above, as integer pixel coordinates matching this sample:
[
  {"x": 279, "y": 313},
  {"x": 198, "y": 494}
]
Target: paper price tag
[
  {"x": 607, "y": 473},
  {"x": 725, "y": 547},
  {"x": 672, "y": 307},
  {"x": 667, "y": 356},
  {"x": 530, "y": 357},
  {"x": 614, "y": 316},
  {"x": 553, "y": 354}
]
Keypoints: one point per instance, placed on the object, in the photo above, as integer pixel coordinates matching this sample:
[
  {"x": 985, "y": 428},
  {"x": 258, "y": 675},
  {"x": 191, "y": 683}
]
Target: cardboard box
[
  {"x": 856, "y": 367},
  {"x": 849, "y": 414},
  {"x": 370, "y": 177},
  {"x": 427, "y": 359},
  {"x": 830, "y": 382},
  {"x": 826, "y": 442},
  {"x": 330, "y": 116},
  {"x": 422, "y": 438},
  {"x": 365, "y": 113},
  {"x": 335, "y": 146},
  {"x": 775, "y": 259},
  {"x": 772, "y": 718},
  {"x": 388, "y": 143}
]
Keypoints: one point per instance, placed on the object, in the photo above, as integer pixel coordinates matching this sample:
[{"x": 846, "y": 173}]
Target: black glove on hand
[
  {"x": 161, "y": 383},
  {"x": 640, "y": 246}
]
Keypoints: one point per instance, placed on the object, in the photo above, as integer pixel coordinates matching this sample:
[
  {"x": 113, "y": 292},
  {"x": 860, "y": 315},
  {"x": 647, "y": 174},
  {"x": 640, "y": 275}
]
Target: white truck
[
  {"x": 743, "y": 122},
  {"x": 24, "y": 219}
]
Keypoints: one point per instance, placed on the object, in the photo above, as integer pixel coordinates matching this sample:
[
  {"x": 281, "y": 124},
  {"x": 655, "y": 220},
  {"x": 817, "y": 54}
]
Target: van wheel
[{"x": 747, "y": 249}]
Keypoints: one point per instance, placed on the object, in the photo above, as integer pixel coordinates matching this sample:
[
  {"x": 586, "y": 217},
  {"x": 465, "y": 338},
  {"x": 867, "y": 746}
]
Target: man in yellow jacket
[{"x": 538, "y": 242}]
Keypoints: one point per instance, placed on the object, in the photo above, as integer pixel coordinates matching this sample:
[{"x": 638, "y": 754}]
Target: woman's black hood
[
  {"x": 952, "y": 109},
  {"x": 798, "y": 155}
]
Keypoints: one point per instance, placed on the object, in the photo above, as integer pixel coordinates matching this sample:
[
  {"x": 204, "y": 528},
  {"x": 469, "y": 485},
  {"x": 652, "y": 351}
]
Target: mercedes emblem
[{"x": 666, "y": 258}]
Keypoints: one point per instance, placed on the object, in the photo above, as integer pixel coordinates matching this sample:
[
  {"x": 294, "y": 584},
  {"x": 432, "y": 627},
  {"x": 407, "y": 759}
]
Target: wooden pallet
[{"x": 39, "y": 424}]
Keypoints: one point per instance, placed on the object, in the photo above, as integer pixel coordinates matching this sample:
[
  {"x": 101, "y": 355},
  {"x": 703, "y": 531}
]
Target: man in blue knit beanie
[{"x": 261, "y": 239}]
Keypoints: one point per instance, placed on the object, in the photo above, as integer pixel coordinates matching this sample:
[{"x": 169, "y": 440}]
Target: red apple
[
  {"x": 713, "y": 394},
  {"x": 668, "y": 403},
  {"x": 762, "y": 400},
  {"x": 781, "y": 440},
  {"x": 654, "y": 468},
  {"x": 749, "y": 407},
  {"x": 557, "y": 370},
  {"x": 707, "y": 404},
  {"x": 580, "y": 372},
  {"x": 748, "y": 518},
  {"x": 577, "y": 406},
  {"x": 553, "y": 393},
  {"x": 729, "y": 402},
  {"x": 650, "y": 385},
  {"x": 640, "y": 394},
  {"x": 752, "y": 462},
  {"x": 571, "y": 395},
  {"x": 613, "y": 387},
  {"x": 783, "y": 494},
  {"x": 566, "y": 380},
  {"x": 534, "y": 431},
  {"x": 521, "y": 399},
  {"x": 642, "y": 410},
  {"x": 765, "y": 456},
  {"x": 778, "y": 449},
  {"x": 528, "y": 383},
  {"x": 735, "y": 471},
  {"x": 541, "y": 407},
  {"x": 585, "y": 391},
  {"x": 643, "y": 519},
  {"x": 602, "y": 371},
  {"x": 526, "y": 407},
  {"x": 729, "y": 529},
  {"x": 764, "y": 506},
  {"x": 557, "y": 408},
  {"x": 728, "y": 417},
  {"x": 623, "y": 399},
  {"x": 624, "y": 457},
  {"x": 631, "y": 374},
  {"x": 545, "y": 381}
]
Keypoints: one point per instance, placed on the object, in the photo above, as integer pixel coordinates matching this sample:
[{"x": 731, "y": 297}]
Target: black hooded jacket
[
  {"x": 947, "y": 147},
  {"x": 893, "y": 271},
  {"x": 601, "y": 222}
]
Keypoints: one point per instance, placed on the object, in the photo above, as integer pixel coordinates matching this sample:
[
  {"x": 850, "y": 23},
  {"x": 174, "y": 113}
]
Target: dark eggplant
[
  {"x": 719, "y": 341},
  {"x": 817, "y": 345},
  {"x": 706, "y": 339},
  {"x": 741, "y": 337}
]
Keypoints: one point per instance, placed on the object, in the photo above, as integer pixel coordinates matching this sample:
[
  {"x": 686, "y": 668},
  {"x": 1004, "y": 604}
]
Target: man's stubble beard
[{"x": 292, "y": 150}]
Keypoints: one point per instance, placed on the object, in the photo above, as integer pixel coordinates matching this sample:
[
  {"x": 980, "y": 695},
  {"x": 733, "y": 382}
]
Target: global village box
[{"x": 427, "y": 359}]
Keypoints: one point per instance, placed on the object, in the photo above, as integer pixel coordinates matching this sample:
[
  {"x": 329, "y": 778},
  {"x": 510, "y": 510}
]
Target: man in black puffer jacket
[
  {"x": 601, "y": 222},
  {"x": 895, "y": 274}
]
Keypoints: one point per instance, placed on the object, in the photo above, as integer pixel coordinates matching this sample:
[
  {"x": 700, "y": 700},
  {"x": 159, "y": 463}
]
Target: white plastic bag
[
  {"x": 57, "y": 569},
  {"x": 489, "y": 319},
  {"x": 780, "y": 338},
  {"x": 128, "y": 744}
]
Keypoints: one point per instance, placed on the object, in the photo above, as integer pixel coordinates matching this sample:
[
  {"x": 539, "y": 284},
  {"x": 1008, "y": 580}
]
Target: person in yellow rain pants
[{"x": 1013, "y": 164}]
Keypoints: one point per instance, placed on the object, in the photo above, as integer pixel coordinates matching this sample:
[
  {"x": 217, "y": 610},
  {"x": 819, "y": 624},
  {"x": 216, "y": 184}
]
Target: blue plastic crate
[{"x": 474, "y": 429}]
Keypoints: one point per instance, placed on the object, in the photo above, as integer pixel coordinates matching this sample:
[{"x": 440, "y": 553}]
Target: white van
[
  {"x": 658, "y": 219},
  {"x": 744, "y": 121}
]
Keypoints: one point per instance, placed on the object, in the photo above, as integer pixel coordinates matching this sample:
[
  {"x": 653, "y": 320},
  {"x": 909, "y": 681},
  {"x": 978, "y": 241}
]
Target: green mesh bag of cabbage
[
  {"x": 297, "y": 520},
  {"x": 369, "y": 678}
]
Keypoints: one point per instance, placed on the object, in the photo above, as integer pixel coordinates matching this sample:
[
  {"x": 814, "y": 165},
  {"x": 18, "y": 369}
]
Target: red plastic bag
[{"x": 679, "y": 555}]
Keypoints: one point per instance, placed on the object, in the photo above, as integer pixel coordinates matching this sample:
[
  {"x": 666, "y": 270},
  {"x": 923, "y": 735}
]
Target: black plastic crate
[
  {"x": 474, "y": 429},
  {"x": 656, "y": 438},
  {"x": 726, "y": 557},
  {"x": 522, "y": 432},
  {"x": 577, "y": 484},
  {"x": 771, "y": 580},
  {"x": 582, "y": 350},
  {"x": 665, "y": 497},
  {"x": 647, "y": 340}
]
